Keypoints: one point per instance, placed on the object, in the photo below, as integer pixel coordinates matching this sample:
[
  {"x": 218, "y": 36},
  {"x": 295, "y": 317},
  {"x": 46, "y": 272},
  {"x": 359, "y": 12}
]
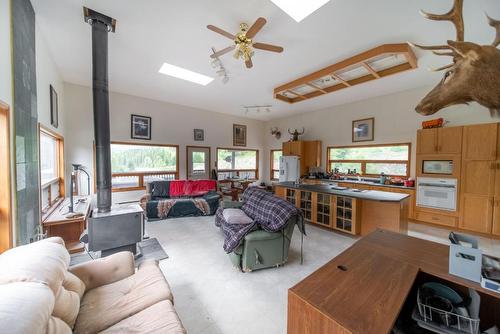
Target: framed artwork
[
  {"x": 140, "y": 127},
  {"x": 199, "y": 135},
  {"x": 239, "y": 135},
  {"x": 54, "y": 108},
  {"x": 363, "y": 130}
]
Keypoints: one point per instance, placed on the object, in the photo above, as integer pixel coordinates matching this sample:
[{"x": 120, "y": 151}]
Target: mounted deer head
[
  {"x": 474, "y": 74},
  {"x": 276, "y": 132},
  {"x": 295, "y": 134}
]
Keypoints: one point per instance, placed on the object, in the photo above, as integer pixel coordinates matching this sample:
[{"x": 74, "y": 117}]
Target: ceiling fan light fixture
[
  {"x": 184, "y": 74},
  {"x": 299, "y": 9}
]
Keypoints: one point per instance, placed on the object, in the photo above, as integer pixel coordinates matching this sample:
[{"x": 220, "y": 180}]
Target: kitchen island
[{"x": 353, "y": 211}]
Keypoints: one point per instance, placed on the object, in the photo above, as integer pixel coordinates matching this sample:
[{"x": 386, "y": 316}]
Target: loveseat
[
  {"x": 40, "y": 293},
  {"x": 258, "y": 230},
  {"x": 180, "y": 198}
]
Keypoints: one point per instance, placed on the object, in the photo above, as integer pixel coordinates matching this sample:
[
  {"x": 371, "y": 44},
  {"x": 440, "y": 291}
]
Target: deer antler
[
  {"x": 495, "y": 24},
  {"x": 455, "y": 16},
  {"x": 301, "y": 133},
  {"x": 289, "y": 131}
]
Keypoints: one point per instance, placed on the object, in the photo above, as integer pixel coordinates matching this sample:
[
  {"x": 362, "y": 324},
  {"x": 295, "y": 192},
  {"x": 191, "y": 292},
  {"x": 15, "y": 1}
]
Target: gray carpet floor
[{"x": 213, "y": 297}]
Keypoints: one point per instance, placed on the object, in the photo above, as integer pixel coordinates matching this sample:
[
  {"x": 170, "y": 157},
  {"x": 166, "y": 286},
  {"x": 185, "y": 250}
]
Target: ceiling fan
[{"x": 243, "y": 42}]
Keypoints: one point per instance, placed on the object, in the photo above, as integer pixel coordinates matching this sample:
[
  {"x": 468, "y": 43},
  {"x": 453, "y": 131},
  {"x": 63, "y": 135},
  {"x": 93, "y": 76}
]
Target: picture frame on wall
[
  {"x": 140, "y": 127},
  {"x": 54, "y": 108},
  {"x": 199, "y": 135},
  {"x": 363, "y": 130},
  {"x": 239, "y": 135}
]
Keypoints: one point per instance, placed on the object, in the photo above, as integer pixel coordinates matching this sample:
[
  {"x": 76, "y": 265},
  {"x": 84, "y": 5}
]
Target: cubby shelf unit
[{"x": 373, "y": 64}]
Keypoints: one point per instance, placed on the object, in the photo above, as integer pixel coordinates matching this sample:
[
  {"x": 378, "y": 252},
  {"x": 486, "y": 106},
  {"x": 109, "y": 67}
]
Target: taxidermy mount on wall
[
  {"x": 474, "y": 74},
  {"x": 295, "y": 134}
]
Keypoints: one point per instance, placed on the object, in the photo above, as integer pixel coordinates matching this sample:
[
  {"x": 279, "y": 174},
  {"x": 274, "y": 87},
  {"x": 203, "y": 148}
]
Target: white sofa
[{"x": 40, "y": 293}]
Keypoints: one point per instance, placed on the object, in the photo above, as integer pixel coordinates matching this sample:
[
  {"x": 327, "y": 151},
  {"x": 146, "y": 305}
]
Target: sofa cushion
[
  {"x": 26, "y": 307},
  {"x": 160, "y": 189},
  {"x": 236, "y": 216},
  {"x": 73, "y": 283},
  {"x": 109, "y": 304},
  {"x": 66, "y": 307},
  {"x": 159, "y": 318},
  {"x": 42, "y": 261}
]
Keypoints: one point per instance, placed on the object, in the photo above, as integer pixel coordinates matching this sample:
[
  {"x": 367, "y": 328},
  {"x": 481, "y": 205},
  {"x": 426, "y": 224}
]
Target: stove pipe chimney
[{"x": 101, "y": 25}]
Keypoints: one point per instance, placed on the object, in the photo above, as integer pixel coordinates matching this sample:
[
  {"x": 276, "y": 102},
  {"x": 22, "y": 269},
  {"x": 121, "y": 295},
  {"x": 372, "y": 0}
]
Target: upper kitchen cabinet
[
  {"x": 440, "y": 140},
  {"x": 480, "y": 142},
  {"x": 308, "y": 151}
]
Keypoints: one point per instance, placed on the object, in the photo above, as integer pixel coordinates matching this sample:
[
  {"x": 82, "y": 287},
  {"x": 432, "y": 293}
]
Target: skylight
[
  {"x": 299, "y": 9},
  {"x": 182, "y": 73}
]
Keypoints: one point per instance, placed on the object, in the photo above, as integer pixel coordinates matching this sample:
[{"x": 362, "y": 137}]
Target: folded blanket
[{"x": 164, "y": 206}]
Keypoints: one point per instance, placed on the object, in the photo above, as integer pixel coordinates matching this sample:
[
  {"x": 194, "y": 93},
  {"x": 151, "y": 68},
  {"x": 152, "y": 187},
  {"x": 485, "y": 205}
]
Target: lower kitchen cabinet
[
  {"x": 324, "y": 211},
  {"x": 306, "y": 205},
  {"x": 477, "y": 213},
  {"x": 346, "y": 215},
  {"x": 436, "y": 218},
  {"x": 496, "y": 217}
]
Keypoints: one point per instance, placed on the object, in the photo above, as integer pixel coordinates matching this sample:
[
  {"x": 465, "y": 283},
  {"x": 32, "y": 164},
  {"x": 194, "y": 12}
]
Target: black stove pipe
[{"x": 101, "y": 25}]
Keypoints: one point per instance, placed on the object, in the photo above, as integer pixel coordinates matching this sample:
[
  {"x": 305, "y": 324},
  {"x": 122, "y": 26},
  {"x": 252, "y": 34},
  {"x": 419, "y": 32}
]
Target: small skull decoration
[{"x": 295, "y": 134}]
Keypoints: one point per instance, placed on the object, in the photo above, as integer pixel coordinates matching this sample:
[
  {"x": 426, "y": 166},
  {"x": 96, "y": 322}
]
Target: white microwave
[
  {"x": 443, "y": 167},
  {"x": 437, "y": 193}
]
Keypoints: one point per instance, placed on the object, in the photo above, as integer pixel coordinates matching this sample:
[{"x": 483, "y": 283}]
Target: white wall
[
  {"x": 171, "y": 124},
  {"x": 47, "y": 74},
  {"x": 395, "y": 121}
]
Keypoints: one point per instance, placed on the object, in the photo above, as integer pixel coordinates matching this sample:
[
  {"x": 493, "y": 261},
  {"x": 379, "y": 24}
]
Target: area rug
[{"x": 148, "y": 249}]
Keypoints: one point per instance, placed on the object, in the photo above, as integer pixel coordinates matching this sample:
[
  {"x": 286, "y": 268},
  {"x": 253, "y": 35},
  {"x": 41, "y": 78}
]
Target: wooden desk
[
  {"x": 364, "y": 289},
  {"x": 58, "y": 225}
]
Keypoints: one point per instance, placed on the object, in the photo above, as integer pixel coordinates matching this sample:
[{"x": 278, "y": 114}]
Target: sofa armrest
[
  {"x": 144, "y": 199},
  {"x": 231, "y": 205},
  {"x": 105, "y": 270}
]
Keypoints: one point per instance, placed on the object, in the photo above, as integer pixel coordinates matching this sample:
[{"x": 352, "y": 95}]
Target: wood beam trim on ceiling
[
  {"x": 316, "y": 87},
  {"x": 283, "y": 98},
  {"x": 371, "y": 70},
  {"x": 382, "y": 49},
  {"x": 336, "y": 77},
  {"x": 297, "y": 94}
]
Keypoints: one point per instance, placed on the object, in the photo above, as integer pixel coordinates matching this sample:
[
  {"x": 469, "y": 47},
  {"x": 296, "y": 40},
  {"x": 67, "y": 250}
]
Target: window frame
[
  {"x": 53, "y": 202},
  {"x": 271, "y": 157},
  {"x": 141, "y": 175},
  {"x": 364, "y": 162},
  {"x": 256, "y": 170}
]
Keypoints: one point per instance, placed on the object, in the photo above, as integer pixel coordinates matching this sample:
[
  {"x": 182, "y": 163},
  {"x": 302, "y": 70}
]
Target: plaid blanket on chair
[{"x": 269, "y": 212}]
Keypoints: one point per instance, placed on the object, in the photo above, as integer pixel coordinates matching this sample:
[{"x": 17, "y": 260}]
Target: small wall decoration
[
  {"x": 54, "y": 109},
  {"x": 140, "y": 127},
  {"x": 239, "y": 135},
  {"x": 363, "y": 130},
  {"x": 199, "y": 135}
]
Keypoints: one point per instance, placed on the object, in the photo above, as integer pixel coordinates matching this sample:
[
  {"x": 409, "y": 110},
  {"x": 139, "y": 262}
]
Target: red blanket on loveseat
[{"x": 180, "y": 188}]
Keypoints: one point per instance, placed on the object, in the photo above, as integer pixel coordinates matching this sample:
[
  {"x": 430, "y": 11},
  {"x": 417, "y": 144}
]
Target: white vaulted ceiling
[{"x": 151, "y": 32}]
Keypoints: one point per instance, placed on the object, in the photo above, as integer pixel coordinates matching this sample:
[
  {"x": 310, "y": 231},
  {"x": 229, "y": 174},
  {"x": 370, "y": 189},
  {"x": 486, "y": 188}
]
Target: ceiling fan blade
[
  {"x": 254, "y": 29},
  {"x": 220, "y": 31},
  {"x": 268, "y": 47},
  {"x": 223, "y": 51},
  {"x": 249, "y": 63}
]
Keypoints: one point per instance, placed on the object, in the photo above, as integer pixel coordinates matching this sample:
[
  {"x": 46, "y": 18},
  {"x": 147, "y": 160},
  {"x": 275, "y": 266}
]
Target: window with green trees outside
[{"x": 372, "y": 160}]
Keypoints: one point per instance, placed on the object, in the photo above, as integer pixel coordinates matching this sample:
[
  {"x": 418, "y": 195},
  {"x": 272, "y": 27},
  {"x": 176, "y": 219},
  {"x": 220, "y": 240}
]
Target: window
[
  {"x": 275, "y": 164},
  {"x": 51, "y": 170},
  {"x": 390, "y": 159},
  {"x": 237, "y": 163},
  {"x": 133, "y": 165}
]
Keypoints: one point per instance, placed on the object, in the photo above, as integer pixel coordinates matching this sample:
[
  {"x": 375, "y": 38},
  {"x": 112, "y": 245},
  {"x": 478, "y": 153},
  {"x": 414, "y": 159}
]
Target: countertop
[
  {"x": 364, "y": 182},
  {"x": 370, "y": 195}
]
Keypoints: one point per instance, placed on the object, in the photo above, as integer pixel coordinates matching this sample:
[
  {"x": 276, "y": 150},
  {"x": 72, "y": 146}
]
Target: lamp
[{"x": 76, "y": 168}]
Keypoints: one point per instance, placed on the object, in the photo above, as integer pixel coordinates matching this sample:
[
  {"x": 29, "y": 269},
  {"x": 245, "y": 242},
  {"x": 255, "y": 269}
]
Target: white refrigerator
[{"x": 289, "y": 168}]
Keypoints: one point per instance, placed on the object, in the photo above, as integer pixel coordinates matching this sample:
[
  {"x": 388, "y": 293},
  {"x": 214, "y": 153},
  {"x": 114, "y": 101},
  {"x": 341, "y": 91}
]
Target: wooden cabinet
[
  {"x": 293, "y": 148},
  {"x": 306, "y": 205},
  {"x": 440, "y": 140},
  {"x": 496, "y": 216},
  {"x": 427, "y": 141},
  {"x": 480, "y": 142},
  {"x": 436, "y": 218},
  {"x": 346, "y": 215},
  {"x": 325, "y": 207},
  {"x": 308, "y": 151},
  {"x": 479, "y": 178}
]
